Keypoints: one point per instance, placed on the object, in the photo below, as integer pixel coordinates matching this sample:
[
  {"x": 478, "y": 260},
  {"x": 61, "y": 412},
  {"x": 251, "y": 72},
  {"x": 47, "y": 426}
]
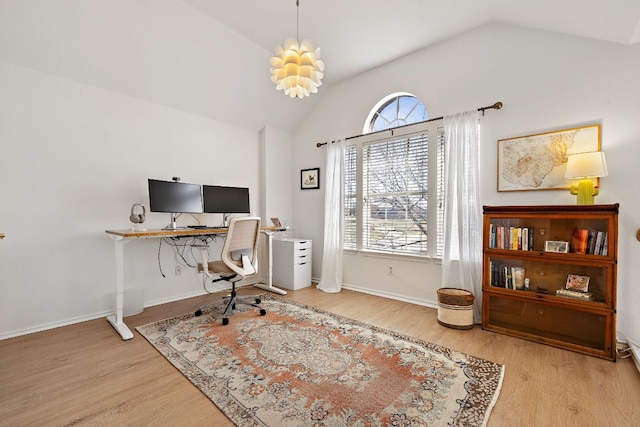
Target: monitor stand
[{"x": 172, "y": 225}]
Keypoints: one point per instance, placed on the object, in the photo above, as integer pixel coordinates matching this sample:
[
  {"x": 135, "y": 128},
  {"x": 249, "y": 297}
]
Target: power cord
[{"x": 623, "y": 350}]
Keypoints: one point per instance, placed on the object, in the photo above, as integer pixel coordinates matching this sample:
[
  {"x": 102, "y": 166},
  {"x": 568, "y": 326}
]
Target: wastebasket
[{"x": 455, "y": 308}]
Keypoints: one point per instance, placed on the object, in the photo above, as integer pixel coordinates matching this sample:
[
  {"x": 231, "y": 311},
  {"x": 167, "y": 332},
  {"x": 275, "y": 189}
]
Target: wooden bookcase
[{"x": 515, "y": 247}]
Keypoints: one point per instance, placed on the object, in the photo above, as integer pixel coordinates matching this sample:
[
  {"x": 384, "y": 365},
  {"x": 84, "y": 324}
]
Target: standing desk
[{"x": 121, "y": 237}]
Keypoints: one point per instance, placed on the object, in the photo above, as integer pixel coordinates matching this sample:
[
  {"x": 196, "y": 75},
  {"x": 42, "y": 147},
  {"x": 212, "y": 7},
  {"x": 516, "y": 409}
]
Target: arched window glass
[
  {"x": 388, "y": 181},
  {"x": 395, "y": 110}
]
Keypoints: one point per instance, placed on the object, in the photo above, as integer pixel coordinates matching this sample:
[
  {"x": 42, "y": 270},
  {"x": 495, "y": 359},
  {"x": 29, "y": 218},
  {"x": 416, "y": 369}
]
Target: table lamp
[{"x": 585, "y": 167}]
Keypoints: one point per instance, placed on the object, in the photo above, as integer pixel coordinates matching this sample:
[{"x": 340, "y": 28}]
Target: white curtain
[
  {"x": 331, "y": 275},
  {"x": 462, "y": 259}
]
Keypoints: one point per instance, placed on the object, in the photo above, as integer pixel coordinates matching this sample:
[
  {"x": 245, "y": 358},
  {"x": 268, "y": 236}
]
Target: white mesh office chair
[{"x": 239, "y": 259}]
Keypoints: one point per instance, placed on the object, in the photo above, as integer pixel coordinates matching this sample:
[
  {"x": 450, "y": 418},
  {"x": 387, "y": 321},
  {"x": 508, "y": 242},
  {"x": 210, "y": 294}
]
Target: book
[
  {"x": 517, "y": 275},
  {"x": 508, "y": 279},
  {"x": 492, "y": 236},
  {"x": 525, "y": 239},
  {"x": 591, "y": 243},
  {"x": 597, "y": 250},
  {"x": 574, "y": 294}
]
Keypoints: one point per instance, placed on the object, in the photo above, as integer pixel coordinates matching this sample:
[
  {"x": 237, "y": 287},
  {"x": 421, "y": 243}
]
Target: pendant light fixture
[{"x": 297, "y": 69}]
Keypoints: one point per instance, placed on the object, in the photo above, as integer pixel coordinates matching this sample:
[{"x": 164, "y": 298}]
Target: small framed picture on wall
[{"x": 310, "y": 179}]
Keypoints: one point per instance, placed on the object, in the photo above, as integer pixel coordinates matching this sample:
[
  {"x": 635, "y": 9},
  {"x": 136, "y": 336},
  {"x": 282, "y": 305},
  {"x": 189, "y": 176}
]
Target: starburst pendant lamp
[{"x": 297, "y": 69}]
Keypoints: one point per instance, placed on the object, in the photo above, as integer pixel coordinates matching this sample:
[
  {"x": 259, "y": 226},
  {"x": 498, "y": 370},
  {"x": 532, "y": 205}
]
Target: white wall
[
  {"x": 86, "y": 97},
  {"x": 546, "y": 81},
  {"x": 74, "y": 159},
  {"x": 164, "y": 51},
  {"x": 276, "y": 151}
]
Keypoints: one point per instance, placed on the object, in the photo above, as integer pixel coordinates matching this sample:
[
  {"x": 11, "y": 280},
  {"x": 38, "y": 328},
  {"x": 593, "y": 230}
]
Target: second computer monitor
[{"x": 225, "y": 200}]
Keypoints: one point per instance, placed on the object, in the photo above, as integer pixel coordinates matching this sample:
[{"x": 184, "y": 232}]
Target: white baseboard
[
  {"x": 424, "y": 303},
  {"x": 54, "y": 325},
  {"x": 635, "y": 355},
  {"x": 218, "y": 287}
]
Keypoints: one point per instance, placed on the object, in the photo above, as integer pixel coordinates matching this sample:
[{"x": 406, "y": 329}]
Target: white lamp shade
[
  {"x": 297, "y": 68},
  {"x": 586, "y": 165}
]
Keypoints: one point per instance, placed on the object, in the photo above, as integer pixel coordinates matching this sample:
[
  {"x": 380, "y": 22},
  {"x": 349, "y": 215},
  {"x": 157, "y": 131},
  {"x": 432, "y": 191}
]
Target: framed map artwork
[{"x": 538, "y": 162}]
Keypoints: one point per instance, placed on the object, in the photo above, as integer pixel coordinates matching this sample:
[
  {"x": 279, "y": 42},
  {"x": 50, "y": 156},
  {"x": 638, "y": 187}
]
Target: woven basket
[{"x": 455, "y": 308}]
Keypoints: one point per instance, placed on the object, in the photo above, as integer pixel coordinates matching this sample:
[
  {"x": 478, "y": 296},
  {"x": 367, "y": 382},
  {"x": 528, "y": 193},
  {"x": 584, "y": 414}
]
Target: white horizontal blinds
[
  {"x": 440, "y": 194},
  {"x": 395, "y": 192},
  {"x": 350, "y": 197}
]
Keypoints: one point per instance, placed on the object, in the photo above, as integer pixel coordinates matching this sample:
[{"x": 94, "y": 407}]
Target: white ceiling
[
  {"x": 356, "y": 35},
  {"x": 211, "y": 57}
]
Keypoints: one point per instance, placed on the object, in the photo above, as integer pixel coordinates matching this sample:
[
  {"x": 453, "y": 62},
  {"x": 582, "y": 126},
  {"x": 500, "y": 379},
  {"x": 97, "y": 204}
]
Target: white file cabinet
[{"x": 292, "y": 263}]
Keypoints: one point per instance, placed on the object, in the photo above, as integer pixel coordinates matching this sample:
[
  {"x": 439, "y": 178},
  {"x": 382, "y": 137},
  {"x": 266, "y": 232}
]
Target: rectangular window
[{"x": 388, "y": 181}]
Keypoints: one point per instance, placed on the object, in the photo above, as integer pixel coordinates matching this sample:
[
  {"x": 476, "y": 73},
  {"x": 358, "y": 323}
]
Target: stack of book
[
  {"x": 574, "y": 294},
  {"x": 587, "y": 241},
  {"x": 504, "y": 276},
  {"x": 512, "y": 238}
]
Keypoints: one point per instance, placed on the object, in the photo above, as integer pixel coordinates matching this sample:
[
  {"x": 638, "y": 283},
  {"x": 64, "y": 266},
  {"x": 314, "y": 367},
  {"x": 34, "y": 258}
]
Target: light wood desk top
[{"x": 181, "y": 232}]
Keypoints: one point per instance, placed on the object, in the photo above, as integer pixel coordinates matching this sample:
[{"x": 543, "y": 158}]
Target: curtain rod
[{"x": 496, "y": 106}]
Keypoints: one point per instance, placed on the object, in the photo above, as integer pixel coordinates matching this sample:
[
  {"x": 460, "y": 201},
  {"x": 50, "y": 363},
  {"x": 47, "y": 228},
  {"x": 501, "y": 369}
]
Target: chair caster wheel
[
  {"x": 258, "y": 300},
  {"x": 225, "y": 321},
  {"x": 198, "y": 313},
  {"x": 263, "y": 312}
]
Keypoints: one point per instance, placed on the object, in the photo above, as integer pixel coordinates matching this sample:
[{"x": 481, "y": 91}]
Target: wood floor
[{"x": 85, "y": 374}]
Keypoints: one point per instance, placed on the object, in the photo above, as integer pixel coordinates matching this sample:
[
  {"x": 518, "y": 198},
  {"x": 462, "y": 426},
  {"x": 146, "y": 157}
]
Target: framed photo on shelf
[
  {"x": 310, "y": 179},
  {"x": 556, "y": 246},
  {"x": 276, "y": 222},
  {"x": 539, "y": 161},
  {"x": 577, "y": 283}
]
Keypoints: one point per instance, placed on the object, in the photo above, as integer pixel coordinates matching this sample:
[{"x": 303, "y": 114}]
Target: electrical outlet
[
  {"x": 390, "y": 270},
  {"x": 178, "y": 270}
]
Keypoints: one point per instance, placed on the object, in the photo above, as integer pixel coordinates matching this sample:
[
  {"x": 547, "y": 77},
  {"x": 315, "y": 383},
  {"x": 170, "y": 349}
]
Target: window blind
[{"x": 395, "y": 194}]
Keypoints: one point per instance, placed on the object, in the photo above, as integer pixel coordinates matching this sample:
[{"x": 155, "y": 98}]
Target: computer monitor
[
  {"x": 174, "y": 197},
  {"x": 225, "y": 200}
]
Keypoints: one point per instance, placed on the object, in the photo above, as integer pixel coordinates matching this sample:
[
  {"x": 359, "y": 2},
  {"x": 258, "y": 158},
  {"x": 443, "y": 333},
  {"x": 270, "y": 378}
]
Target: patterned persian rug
[{"x": 299, "y": 366}]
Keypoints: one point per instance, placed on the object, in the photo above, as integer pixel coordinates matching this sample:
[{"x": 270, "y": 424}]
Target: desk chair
[{"x": 239, "y": 259}]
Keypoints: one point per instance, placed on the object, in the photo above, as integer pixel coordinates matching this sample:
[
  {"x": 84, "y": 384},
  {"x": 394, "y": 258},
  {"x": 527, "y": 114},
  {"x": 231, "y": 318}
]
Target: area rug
[{"x": 300, "y": 366}]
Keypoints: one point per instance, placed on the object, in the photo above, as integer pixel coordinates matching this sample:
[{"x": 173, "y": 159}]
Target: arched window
[
  {"x": 398, "y": 109},
  {"x": 388, "y": 181}
]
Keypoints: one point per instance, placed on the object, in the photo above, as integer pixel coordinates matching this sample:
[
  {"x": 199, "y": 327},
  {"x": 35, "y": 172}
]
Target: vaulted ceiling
[
  {"x": 211, "y": 57},
  {"x": 356, "y": 35}
]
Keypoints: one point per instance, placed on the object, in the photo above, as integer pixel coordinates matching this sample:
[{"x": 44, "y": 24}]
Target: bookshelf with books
[{"x": 549, "y": 275}]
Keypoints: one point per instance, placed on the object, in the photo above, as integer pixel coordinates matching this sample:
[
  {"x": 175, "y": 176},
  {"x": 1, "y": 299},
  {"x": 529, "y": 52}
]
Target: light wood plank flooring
[{"x": 84, "y": 374}]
